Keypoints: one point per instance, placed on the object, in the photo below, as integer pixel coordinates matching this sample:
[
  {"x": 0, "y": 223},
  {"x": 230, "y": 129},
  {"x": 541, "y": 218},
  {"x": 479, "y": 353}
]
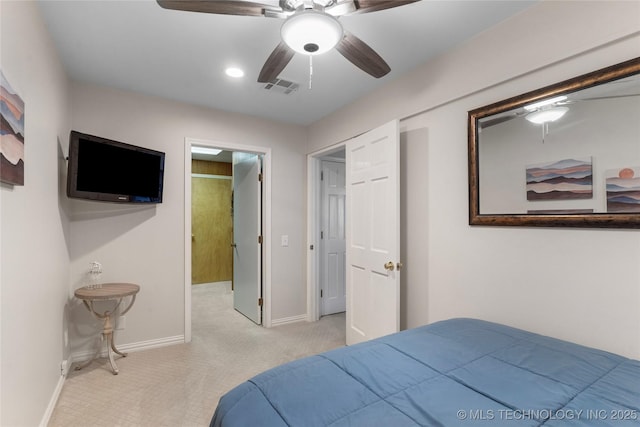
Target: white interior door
[
  {"x": 332, "y": 277},
  {"x": 247, "y": 231},
  {"x": 373, "y": 233}
]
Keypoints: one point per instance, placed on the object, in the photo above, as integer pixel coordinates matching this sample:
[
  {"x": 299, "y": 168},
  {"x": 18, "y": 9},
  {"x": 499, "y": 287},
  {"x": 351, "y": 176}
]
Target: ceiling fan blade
[
  {"x": 595, "y": 98},
  {"x": 362, "y": 56},
  {"x": 365, "y": 6},
  {"x": 275, "y": 63},
  {"x": 221, "y": 7}
]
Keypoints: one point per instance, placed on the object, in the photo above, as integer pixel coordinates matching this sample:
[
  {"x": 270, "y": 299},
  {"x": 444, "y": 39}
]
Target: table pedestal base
[
  {"x": 107, "y": 335},
  {"x": 107, "y": 292}
]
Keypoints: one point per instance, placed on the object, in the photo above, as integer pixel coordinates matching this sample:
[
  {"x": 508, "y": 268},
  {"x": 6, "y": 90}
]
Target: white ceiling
[{"x": 136, "y": 45}]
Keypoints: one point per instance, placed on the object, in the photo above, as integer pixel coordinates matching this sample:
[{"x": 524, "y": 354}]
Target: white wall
[
  {"x": 34, "y": 258},
  {"x": 577, "y": 284},
  {"x": 146, "y": 245}
]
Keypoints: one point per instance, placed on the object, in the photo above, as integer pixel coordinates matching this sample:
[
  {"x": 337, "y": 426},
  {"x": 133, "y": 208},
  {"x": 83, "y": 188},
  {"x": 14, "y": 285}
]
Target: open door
[
  {"x": 373, "y": 234},
  {"x": 247, "y": 235}
]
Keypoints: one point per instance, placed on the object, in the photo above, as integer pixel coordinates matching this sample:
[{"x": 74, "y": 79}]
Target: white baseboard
[
  {"x": 54, "y": 399},
  {"x": 148, "y": 345},
  {"x": 292, "y": 319},
  {"x": 133, "y": 347}
]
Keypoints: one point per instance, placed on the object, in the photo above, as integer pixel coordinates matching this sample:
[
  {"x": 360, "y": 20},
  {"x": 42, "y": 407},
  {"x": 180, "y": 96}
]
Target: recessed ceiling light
[
  {"x": 234, "y": 72},
  {"x": 205, "y": 150}
]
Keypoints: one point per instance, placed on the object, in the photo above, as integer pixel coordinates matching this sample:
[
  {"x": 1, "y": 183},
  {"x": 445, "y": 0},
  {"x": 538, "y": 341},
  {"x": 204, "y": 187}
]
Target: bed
[{"x": 451, "y": 373}]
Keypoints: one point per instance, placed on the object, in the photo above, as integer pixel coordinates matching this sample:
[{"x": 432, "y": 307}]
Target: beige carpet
[{"x": 180, "y": 385}]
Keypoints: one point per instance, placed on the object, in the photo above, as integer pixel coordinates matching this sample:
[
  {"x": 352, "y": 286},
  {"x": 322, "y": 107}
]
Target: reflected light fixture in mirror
[
  {"x": 546, "y": 111},
  {"x": 546, "y": 115},
  {"x": 311, "y": 32},
  {"x": 544, "y": 103}
]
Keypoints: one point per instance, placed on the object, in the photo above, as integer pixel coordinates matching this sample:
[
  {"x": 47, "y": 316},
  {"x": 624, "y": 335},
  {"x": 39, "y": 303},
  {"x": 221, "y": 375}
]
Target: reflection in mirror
[{"x": 565, "y": 155}]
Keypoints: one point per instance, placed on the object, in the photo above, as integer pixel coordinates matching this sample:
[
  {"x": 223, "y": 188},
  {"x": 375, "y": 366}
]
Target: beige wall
[
  {"x": 146, "y": 245},
  {"x": 34, "y": 260},
  {"x": 582, "y": 285}
]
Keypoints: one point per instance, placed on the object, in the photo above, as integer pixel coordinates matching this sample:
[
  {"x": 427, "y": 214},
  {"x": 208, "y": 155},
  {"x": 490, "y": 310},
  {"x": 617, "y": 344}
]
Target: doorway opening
[
  {"x": 326, "y": 233},
  {"x": 211, "y": 217},
  {"x": 372, "y": 230},
  {"x": 240, "y": 224}
]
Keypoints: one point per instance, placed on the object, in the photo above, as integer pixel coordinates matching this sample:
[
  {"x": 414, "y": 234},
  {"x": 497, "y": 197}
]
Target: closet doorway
[
  {"x": 226, "y": 205},
  {"x": 332, "y": 245},
  {"x": 212, "y": 218},
  {"x": 327, "y": 205}
]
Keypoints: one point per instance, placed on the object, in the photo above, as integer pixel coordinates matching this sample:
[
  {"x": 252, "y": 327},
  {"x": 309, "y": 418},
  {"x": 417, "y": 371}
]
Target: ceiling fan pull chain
[{"x": 310, "y": 70}]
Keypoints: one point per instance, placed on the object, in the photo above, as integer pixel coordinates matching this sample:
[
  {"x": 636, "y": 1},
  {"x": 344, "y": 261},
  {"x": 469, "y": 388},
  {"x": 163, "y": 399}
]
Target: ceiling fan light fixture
[
  {"x": 540, "y": 104},
  {"x": 546, "y": 115},
  {"x": 311, "y": 32}
]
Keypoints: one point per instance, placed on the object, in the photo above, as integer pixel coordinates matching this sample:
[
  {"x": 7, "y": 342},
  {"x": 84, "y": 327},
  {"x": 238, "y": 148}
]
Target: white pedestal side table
[{"x": 107, "y": 292}]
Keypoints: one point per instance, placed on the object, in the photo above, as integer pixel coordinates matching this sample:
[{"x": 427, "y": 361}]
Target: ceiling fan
[
  {"x": 311, "y": 27},
  {"x": 551, "y": 109},
  {"x": 544, "y": 112}
]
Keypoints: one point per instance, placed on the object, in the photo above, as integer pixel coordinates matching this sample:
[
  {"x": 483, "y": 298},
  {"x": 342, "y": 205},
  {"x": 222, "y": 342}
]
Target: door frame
[
  {"x": 314, "y": 166},
  {"x": 266, "y": 221}
]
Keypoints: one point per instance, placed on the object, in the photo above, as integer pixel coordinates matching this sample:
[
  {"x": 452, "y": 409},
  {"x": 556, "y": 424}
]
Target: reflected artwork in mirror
[{"x": 567, "y": 155}]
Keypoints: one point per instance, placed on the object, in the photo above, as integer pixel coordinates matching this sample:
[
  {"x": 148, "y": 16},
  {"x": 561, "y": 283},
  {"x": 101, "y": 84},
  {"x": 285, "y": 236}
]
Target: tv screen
[{"x": 112, "y": 171}]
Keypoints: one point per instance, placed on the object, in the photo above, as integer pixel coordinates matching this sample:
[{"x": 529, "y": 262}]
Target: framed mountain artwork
[{"x": 11, "y": 134}]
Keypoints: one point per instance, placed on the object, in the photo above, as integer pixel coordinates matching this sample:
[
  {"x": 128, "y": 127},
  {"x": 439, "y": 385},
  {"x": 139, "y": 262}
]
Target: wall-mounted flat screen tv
[{"x": 111, "y": 171}]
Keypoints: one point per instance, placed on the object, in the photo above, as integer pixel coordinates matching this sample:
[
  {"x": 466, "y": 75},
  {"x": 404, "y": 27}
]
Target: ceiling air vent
[{"x": 282, "y": 86}]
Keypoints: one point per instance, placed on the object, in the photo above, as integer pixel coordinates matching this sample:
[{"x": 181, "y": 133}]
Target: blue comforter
[{"x": 456, "y": 372}]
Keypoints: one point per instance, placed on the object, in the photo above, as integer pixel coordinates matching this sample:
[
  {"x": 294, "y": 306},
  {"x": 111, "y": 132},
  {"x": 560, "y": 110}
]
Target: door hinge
[
  {"x": 322, "y": 234},
  {"x": 321, "y": 175},
  {"x": 260, "y": 239},
  {"x": 260, "y": 177},
  {"x": 320, "y": 293},
  {"x": 260, "y": 302}
]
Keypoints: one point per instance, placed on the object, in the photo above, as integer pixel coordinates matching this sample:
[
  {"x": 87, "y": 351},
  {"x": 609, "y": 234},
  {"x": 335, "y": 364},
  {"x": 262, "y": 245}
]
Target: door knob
[
  {"x": 233, "y": 245},
  {"x": 389, "y": 266}
]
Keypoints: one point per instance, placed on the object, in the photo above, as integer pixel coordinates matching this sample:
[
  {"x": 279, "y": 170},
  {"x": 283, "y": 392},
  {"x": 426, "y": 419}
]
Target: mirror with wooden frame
[{"x": 567, "y": 155}]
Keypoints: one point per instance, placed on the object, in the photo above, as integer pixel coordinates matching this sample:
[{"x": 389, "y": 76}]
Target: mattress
[{"x": 452, "y": 373}]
